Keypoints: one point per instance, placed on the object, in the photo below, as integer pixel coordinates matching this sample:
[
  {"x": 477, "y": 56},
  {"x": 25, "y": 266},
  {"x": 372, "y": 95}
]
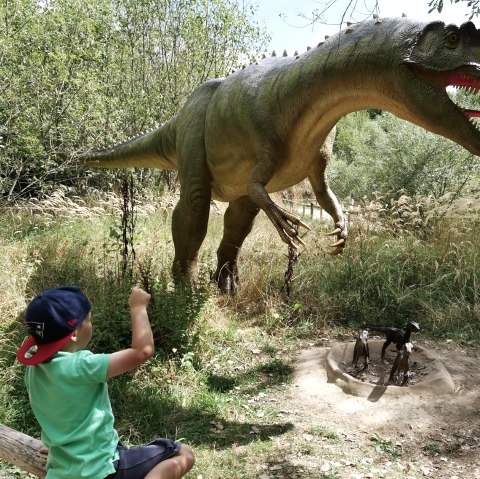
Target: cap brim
[{"x": 44, "y": 350}]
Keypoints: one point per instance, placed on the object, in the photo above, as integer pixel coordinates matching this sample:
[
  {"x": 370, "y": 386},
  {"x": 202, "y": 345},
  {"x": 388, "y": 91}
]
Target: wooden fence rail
[
  {"x": 307, "y": 208},
  {"x": 22, "y": 451}
]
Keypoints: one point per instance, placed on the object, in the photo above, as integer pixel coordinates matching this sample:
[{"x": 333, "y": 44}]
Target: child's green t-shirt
[{"x": 69, "y": 397}]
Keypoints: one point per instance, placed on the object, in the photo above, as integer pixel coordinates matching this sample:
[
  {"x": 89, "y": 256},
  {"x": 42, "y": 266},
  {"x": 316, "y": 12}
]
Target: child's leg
[{"x": 175, "y": 467}]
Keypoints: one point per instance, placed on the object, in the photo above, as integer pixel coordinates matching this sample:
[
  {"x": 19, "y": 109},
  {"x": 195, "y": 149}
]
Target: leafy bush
[
  {"x": 386, "y": 154},
  {"x": 83, "y": 74}
]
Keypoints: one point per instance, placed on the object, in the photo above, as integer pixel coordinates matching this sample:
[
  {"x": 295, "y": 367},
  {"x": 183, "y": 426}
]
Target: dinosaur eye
[{"x": 452, "y": 39}]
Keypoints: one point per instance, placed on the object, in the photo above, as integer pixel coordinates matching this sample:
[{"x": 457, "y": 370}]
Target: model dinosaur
[
  {"x": 402, "y": 364},
  {"x": 360, "y": 349},
  {"x": 271, "y": 125},
  {"x": 395, "y": 335}
]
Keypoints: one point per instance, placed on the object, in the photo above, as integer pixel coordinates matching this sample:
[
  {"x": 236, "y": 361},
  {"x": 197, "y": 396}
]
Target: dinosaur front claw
[
  {"x": 340, "y": 242},
  {"x": 302, "y": 224},
  {"x": 338, "y": 250},
  {"x": 339, "y": 245},
  {"x": 287, "y": 225},
  {"x": 300, "y": 241},
  {"x": 334, "y": 232}
]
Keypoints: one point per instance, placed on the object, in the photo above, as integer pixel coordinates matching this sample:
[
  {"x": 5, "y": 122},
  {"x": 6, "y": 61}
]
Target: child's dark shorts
[{"x": 137, "y": 462}]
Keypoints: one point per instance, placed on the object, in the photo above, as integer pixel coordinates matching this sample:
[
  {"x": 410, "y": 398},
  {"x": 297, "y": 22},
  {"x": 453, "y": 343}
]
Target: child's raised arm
[{"x": 142, "y": 348}]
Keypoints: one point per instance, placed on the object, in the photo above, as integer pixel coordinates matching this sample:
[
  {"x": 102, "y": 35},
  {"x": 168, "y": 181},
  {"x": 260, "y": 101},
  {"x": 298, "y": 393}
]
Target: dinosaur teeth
[
  {"x": 475, "y": 121},
  {"x": 463, "y": 81}
]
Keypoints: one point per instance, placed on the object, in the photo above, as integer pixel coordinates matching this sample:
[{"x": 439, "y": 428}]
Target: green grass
[
  {"x": 386, "y": 445},
  {"x": 325, "y": 433},
  {"x": 432, "y": 448},
  {"x": 220, "y": 359}
]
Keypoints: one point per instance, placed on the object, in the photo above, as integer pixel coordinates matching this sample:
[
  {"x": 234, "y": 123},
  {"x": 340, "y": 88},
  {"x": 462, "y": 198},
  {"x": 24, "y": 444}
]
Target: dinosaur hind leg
[
  {"x": 189, "y": 226},
  {"x": 237, "y": 224},
  {"x": 384, "y": 348}
]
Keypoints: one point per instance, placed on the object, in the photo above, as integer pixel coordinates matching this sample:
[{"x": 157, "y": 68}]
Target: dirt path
[{"x": 405, "y": 436}]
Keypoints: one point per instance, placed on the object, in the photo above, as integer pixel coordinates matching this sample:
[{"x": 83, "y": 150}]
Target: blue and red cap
[{"x": 51, "y": 319}]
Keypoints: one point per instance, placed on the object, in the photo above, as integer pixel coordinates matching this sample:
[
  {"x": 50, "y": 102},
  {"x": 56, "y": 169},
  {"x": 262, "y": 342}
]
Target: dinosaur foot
[
  {"x": 226, "y": 278},
  {"x": 339, "y": 245}
]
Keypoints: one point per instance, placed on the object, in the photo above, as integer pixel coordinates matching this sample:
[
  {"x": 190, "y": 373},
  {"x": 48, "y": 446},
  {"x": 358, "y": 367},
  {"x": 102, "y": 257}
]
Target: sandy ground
[{"x": 414, "y": 419}]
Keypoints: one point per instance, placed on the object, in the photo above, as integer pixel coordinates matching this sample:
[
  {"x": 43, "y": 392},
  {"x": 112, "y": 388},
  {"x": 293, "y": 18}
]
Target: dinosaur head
[
  {"x": 412, "y": 326},
  {"x": 363, "y": 334},
  {"x": 442, "y": 56}
]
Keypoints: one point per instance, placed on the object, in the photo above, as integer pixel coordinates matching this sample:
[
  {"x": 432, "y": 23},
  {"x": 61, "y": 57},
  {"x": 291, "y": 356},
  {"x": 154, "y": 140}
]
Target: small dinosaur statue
[
  {"x": 361, "y": 350},
  {"x": 395, "y": 335},
  {"x": 402, "y": 364},
  {"x": 272, "y": 124}
]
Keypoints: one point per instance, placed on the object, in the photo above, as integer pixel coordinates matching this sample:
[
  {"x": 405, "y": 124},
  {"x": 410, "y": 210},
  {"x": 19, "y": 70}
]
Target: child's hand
[{"x": 138, "y": 297}]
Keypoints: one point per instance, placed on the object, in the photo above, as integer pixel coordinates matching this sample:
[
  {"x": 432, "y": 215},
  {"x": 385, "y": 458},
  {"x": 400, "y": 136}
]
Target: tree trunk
[{"x": 22, "y": 451}]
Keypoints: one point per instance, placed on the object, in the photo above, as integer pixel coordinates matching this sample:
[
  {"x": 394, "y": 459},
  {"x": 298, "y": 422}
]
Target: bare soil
[{"x": 405, "y": 435}]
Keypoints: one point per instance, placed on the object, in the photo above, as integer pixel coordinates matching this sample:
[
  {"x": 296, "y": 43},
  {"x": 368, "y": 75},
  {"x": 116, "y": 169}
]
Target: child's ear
[{"x": 74, "y": 337}]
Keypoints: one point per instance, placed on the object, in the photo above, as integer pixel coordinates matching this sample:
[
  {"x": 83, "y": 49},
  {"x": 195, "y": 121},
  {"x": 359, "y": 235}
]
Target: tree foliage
[
  {"x": 358, "y": 11},
  {"x": 80, "y": 73},
  {"x": 384, "y": 154},
  {"x": 438, "y": 5}
]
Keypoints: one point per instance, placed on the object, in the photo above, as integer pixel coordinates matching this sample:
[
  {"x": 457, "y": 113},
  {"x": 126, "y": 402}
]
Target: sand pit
[{"x": 428, "y": 374}]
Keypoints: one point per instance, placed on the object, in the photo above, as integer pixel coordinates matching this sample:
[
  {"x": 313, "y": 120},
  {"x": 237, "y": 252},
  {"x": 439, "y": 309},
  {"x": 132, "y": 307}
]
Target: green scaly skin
[{"x": 271, "y": 125}]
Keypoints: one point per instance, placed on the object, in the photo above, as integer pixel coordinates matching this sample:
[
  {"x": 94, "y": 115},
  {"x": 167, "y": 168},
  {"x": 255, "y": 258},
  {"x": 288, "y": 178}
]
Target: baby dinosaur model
[
  {"x": 271, "y": 125},
  {"x": 361, "y": 350},
  {"x": 402, "y": 364},
  {"x": 396, "y": 335}
]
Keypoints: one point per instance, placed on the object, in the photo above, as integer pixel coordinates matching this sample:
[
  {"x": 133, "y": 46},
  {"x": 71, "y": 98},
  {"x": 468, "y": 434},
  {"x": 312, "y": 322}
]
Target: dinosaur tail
[{"x": 155, "y": 149}]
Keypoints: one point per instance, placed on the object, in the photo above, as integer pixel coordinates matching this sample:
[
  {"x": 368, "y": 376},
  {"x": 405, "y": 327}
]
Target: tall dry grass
[{"x": 412, "y": 257}]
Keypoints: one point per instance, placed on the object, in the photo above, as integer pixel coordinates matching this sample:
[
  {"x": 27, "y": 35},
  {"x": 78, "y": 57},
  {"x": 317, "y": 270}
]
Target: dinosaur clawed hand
[
  {"x": 287, "y": 225},
  {"x": 339, "y": 245}
]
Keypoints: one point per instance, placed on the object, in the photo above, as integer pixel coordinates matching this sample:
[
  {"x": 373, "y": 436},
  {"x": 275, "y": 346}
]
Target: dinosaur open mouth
[
  {"x": 469, "y": 84},
  {"x": 472, "y": 113}
]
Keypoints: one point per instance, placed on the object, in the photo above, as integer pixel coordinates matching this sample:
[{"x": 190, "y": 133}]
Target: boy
[{"x": 69, "y": 396}]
